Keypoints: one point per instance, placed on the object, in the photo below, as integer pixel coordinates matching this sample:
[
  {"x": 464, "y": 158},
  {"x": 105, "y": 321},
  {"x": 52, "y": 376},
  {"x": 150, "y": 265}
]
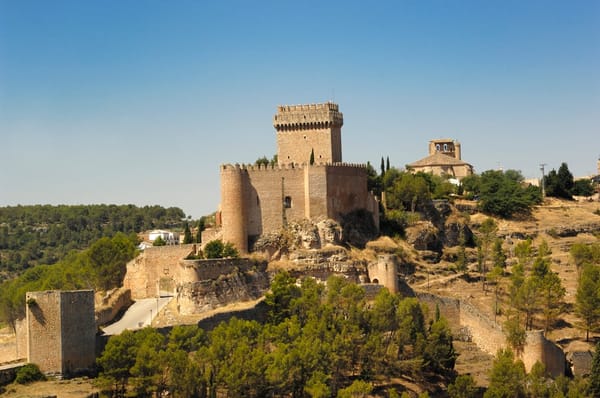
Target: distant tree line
[
  {"x": 44, "y": 234},
  {"x": 102, "y": 266},
  {"x": 318, "y": 341}
]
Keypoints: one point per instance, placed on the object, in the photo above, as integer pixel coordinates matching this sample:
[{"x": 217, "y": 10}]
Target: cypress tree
[{"x": 312, "y": 156}]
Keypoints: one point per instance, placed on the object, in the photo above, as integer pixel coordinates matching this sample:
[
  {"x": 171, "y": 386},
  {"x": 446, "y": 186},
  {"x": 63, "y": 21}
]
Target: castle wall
[
  {"x": 21, "y": 338},
  {"x": 489, "y": 336},
  {"x": 346, "y": 190},
  {"x": 266, "y": 194},
  {"x": 315, "y": 191},
  {"x": 155, "y": 263}
]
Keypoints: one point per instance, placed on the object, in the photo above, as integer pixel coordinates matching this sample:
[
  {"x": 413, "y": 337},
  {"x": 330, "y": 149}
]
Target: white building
[{"x": 170, "y": 238}]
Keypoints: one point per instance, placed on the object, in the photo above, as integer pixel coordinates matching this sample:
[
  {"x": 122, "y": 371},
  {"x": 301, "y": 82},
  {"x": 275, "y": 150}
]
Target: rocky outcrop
[
  {"x": 573, "y": 230},
  {"x": 312, "y": 235},
  {"x": 424, "y": 236},
  {"x": 205, "y": 295},
  {"x": 444, "y": 228}
]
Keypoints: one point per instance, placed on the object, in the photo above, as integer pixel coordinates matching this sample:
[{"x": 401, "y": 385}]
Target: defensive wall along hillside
[
  {"x": 163, "y": 268},
  {"x": 489, "y": 336}
]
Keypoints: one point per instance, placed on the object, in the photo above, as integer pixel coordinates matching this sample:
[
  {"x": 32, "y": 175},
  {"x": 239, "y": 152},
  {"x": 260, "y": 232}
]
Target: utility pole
[{"x": 542, "y": 166}]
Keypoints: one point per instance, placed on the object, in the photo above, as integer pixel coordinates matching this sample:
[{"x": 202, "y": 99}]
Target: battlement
[
  {"x": 308, "y": 116},
  {"x": 287, "y": 166}
]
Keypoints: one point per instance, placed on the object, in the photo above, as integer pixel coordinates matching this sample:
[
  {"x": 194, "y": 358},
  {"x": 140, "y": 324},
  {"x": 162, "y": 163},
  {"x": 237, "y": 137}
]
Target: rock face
[
  {"x": 445, "y": 228},
  {"x": 205, "y": 295},
  {"x": 424, "y": 236},
  {"x": 305, "y": 235}
]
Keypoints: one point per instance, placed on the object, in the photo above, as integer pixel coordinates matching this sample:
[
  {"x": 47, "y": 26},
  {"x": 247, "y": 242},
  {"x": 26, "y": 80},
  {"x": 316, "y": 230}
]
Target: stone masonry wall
[
  {"x": 78, "y": 331},
  {"x": 489, "y": 336},
  {"x": 146, "y": 270},
  {"x": 43, "y": 321},
  {"x": 61, "y": 331}
]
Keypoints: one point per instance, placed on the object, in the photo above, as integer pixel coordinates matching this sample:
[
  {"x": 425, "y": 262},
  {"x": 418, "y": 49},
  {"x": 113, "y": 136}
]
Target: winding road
[{"x": 139, "y": 315}]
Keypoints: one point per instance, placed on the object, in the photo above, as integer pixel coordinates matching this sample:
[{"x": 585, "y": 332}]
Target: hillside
[{"x": 559, "y": 223}]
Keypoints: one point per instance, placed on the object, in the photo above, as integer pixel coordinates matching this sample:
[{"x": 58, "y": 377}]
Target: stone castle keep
[{"x": 309, "y": 180}]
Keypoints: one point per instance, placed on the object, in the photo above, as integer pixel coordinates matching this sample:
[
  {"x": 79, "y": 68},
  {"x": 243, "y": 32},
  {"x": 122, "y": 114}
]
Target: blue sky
[{"x": 141, "y": 101}]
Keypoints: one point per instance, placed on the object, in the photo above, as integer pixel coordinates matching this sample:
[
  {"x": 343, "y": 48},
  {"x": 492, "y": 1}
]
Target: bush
[{"x": 29, "y": 373}]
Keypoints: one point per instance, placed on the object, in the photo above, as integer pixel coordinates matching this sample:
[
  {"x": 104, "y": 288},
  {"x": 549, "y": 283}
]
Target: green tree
[
  {"x": 559, "y": 184},
  {"x": 487, "y": 232},
  {"x": 262, "y": 161},
  {"x": 312, "y": 157},
  {"x": 536, "y": 382},
  {"x": 229, "y": 251},
  {"x": 159, "y": 241},
  {"x": 358, "y": 389},
  {"x": 507, "y": 377},
  {"x": 504, "y": 194},
  {"x": 594, "y": 382},
  {"x": 279, "y": 299},
  {"x": 214, "y": 249},
  {"x": 587, "y": 299},
  {"x": 463, "y": 387},
  {"x": 187, "y": 234},
  {"x": 583, "y": 187}
]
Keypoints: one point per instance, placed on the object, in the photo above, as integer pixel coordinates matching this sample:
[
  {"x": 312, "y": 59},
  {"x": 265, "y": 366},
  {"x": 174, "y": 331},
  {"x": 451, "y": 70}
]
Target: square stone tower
[
  {"x": 61, "y": 331},
  {"x": 305, "y": 129}
]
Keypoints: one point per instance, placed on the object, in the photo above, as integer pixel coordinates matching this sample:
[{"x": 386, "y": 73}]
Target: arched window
[
  {"x": 437, "y": 147},
  {"x": 287, "y": 202},
  {"x": 445, "y": 147}
]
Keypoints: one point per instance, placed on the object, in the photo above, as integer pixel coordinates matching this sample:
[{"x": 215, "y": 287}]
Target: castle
[
  {"x": 309, "y": 181},
  {"x": 444, "y": 159}
]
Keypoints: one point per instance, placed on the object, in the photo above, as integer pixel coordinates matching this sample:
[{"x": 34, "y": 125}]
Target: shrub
[{"x": 29, "y": 373}]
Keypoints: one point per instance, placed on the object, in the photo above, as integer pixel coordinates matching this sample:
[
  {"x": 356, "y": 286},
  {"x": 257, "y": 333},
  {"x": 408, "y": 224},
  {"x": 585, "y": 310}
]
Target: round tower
[{"x": 233, "y": 211}]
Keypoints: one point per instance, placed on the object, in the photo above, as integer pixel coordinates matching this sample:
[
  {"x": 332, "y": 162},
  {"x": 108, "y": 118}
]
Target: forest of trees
[
  {"x": 44, "y": 234},
  {"x": 319, "y": 341},
  {"x": 102, "y": 266}
]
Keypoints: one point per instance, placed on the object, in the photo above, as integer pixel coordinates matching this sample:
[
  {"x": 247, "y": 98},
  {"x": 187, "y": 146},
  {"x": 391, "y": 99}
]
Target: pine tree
[{"x": 594, "y": 387}]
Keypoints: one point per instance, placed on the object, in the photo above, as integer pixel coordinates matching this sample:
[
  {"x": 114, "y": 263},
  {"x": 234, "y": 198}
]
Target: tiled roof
[{"x": 438, "y": 159}]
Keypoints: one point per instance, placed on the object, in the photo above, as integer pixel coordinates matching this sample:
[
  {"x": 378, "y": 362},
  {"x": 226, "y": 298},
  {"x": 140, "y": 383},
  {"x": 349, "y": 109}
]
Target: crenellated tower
[{"x": 304, "y": 129}]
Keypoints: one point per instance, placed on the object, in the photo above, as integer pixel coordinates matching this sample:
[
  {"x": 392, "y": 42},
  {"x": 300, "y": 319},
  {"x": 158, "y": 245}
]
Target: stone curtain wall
[
  {"x": 489, "y": 336},
  {"x": 253, "y": 197},
  {"x": 145, "y": 271}
]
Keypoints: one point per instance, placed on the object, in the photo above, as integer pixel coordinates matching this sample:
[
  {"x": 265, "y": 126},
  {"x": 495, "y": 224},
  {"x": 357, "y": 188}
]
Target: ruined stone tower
[
  {"x": 61, "y": 331},
  {"x": 260, "y": 199},
  {"x": 302, "y": 129}
]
